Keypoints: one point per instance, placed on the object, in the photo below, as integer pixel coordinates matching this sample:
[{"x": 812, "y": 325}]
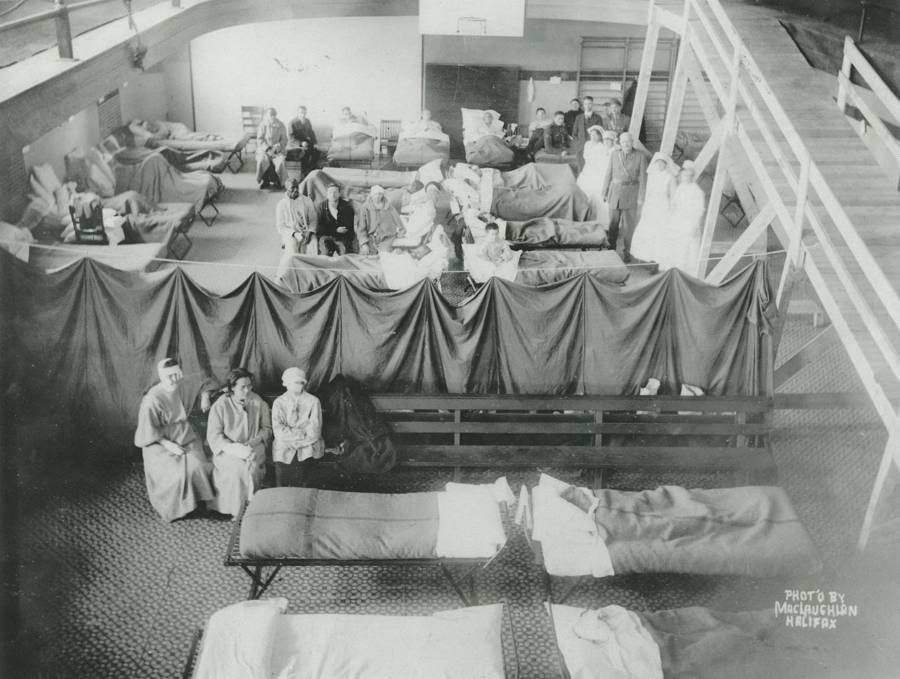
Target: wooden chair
[
  {"x": 389, "y": 134},
  {"x": 251, "y": 117}
]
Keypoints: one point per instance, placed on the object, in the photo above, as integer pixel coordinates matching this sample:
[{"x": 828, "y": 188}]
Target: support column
[{"x": 643, "y": 84}]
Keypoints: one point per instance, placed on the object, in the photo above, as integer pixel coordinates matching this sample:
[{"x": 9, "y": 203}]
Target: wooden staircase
[{"x": 785, "y": 144}]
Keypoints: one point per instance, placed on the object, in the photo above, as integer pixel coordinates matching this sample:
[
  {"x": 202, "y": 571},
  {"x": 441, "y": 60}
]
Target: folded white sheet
[
  {"x": 608, "y": 643},
  {"x": 470, "y": 525},
  {"x": 571, "y": 542}
]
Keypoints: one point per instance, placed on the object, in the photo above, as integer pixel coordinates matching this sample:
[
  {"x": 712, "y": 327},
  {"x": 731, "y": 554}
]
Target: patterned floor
[{"x": 108, "y": 590}]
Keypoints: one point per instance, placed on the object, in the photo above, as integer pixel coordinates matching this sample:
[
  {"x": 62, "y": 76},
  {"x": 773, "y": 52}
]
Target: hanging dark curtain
[{"x": 82, "y": 344}]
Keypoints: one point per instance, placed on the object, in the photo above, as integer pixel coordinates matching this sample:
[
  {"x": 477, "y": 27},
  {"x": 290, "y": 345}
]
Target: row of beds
[
  {"x": 575, "y": 534},
  {"x": 158, "y": 183},
  {"x": 547, "y": 218}
]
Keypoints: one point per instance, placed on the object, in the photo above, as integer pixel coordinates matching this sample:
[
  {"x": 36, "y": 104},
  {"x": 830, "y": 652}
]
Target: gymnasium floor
[{"x": 109, "y": 590}]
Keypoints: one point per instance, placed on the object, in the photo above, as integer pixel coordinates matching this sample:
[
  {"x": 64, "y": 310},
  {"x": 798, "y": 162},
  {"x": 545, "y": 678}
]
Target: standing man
[
  {"x": 615, "y": 120},
  {"x": 623, "y": 188},
  {"x": 570, "y": 115},
  {"x": 587, "y": 119},
  {"x": 271, "y": 143},
  {"x": 335, "y": 219}
]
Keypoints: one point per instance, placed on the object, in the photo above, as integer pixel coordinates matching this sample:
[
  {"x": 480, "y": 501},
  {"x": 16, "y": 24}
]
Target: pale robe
[
  {"x": 596, "y": 159},
  {"x": 295, "y": 216},
  {"x": 297, "y": 424},
  {"x": 651, "y": 236},
  {"x": 377, "y": 226},
  {"x": 423, "y": 252},
  {"x": 682, "y": 244},
  {"x": 230, "y": 428},
  {"x": 271, "y": 133},
  {"x": 176, "y": 485}
]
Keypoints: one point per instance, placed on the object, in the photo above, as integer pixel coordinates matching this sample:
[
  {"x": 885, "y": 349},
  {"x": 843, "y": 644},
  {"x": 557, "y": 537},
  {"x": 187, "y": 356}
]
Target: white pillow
[
  {"x": 238, "y": 640},
  {"x": 472, "y": 116}
]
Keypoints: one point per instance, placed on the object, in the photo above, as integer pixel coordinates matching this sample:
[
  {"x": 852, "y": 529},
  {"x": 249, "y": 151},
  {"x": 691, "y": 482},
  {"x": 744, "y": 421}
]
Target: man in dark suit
[
  {"x": 585, "y": 121},
  {"x": 570, "y": 115},
  {"x": 335, "y": 224},
  {"x": 623, "y": 188}
]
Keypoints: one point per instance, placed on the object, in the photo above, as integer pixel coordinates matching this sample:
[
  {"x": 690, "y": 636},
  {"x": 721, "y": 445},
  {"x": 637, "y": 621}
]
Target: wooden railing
[
  {"x": 806, "y": 208},
  {"x": 847, "y": 93},
  {"x": 60, "y": 16},
  {"x": 810, "y": 219}
]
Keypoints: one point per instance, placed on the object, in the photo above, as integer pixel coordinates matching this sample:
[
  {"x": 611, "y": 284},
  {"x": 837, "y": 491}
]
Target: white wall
[
  {"x": 82, "y": 130},
  {"x": 176, "y": 71},
  {"x": 371, "y": 64}
]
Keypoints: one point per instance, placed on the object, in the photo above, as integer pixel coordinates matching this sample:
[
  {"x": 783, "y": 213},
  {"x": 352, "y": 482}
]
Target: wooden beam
[
  {"x": 668, "y": 19},
  {"x": 63, "y": 30},
  {"x": 712, "y": 146},
  {"x": 740, "y": 247},
  {"x": 712, "y": 215},
  {"x": 701, "y": 89},
  {"x": 643, "y": 83},
  {"x": 679, "y": 87},
  {"x": 825, "y": 400},
  {"x": 794, "y": 249}
]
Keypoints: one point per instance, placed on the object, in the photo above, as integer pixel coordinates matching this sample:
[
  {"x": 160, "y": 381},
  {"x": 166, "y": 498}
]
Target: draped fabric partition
[{"x": 86, "y": 339}]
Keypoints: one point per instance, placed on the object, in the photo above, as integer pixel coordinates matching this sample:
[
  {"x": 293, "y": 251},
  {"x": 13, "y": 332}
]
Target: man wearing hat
[
  {"x": 615, "y": 120},
  {"x": 297, "y": 426},
  {"x": 623, "y": 187}
]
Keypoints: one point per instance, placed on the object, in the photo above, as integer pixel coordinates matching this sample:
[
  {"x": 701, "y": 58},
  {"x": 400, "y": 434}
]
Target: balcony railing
[{"x": 60, "y": 16}]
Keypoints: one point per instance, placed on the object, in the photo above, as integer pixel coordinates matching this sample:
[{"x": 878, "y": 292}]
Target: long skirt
[
  {"x": 236, "y": 480},
  {"x": 177, "y": 485}
]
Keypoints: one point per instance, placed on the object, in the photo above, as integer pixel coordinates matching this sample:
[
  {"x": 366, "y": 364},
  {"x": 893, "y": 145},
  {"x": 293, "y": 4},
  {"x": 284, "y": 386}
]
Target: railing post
[
  {"x": 63, "y": 30},
  {"x": 847, "y": 70},
  {"x": 679, "y": 85}
]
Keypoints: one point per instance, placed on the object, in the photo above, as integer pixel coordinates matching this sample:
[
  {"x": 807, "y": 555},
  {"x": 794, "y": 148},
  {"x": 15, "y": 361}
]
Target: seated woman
[
  {"x": 297, "y": 221},
  {"x": 297, "y": 425},
  {"x": 176, "y": 469},
  {"x": 271, "y": 142},
  {"x": 238, "y": 432}
]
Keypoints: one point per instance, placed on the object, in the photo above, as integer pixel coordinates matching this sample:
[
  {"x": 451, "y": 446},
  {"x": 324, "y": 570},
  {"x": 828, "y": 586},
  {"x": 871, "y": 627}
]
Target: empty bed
[{"x": 305, "y": 526}]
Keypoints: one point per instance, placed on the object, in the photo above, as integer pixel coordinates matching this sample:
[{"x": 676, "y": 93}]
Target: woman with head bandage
[
  {"x": 175, "y": 465},
  {"x": 297, "y": 424}
]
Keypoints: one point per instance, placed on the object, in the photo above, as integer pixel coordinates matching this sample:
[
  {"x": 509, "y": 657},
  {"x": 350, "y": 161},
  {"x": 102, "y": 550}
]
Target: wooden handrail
[
  {"x": 817, "y": 185},
  {"x": 60, "y": 15}
]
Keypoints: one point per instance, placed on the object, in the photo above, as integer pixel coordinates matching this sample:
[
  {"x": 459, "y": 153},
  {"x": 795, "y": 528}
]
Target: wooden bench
[{"x": 599, "y": 433}]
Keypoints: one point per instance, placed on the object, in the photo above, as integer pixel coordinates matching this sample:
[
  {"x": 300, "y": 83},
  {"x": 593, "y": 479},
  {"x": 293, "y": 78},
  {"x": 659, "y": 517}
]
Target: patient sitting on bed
[
  {"x": 297, "y": 423},
  {"x": 495, "y": 249}
]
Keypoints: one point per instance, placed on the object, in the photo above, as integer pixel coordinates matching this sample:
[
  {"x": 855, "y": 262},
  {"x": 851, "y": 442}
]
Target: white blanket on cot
[
  {"x": 470, "y": 525},
  {"x": 571, "y": 542},
  {"x": 607, "y": 643},
  {"x": 255, "y": 640}
]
